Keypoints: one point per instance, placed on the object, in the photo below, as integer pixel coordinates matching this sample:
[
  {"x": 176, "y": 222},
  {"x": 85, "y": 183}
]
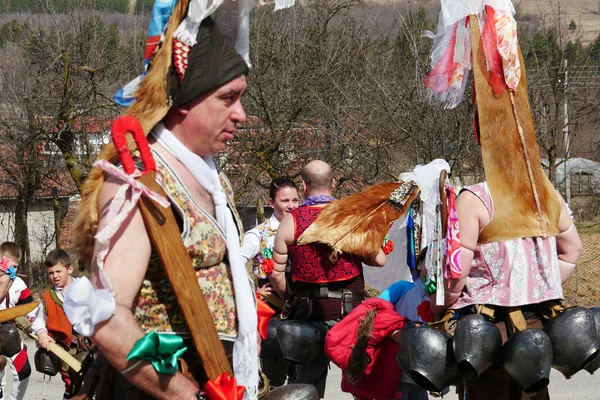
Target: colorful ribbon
[
  {"x": 411, "y": 257},
  {"x": 7, "y": 267},
  {"x": 264, "y": 316},
  {"x": 161, "y": 349},
  {"x": 224, "y": 388},
  {"x": 119, "y": 211},
  {"x": 453, "y": 269},
  {"x": 430, "y": 286},
  {"x": 161, "y": 12},
  {"x": 267, "y": 252}
]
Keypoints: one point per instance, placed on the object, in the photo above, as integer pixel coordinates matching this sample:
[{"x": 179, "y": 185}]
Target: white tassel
[{"x": 281, "y": 4}]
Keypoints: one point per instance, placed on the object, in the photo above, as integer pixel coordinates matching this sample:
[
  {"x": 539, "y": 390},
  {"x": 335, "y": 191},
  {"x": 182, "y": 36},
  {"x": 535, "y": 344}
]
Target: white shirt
[
  {"x": 251, "y": 245},
  {"x": 17, "y": 290}
]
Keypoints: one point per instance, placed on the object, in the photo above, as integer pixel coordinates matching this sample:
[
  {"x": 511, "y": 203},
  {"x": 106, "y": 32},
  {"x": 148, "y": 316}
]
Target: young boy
[
  {"x": 411, "y": 301},
  {"x": 14, "y": 293},
  {"x": 51, "y": 323}
]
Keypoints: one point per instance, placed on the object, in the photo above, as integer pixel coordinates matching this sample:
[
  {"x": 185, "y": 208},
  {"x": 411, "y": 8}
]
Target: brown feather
[
  {"x": 358, "y": 224},
  {"x": 150, "y": 107}
]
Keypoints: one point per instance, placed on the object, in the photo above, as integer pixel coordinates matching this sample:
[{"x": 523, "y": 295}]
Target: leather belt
[{"x": 324, "y": 292}]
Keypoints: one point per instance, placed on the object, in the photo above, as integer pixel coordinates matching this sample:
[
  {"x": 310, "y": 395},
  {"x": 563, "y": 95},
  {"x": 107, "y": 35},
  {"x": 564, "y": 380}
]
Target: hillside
[{"x": 585, "y": 14}]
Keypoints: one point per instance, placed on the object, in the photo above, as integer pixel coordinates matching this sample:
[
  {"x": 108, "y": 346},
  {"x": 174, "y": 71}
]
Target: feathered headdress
[{"x": 358, "y": 224}]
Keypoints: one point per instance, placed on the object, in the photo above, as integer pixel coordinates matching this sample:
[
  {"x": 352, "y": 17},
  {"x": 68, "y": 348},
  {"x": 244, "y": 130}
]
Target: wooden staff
[{"x": 61, "y": 353}]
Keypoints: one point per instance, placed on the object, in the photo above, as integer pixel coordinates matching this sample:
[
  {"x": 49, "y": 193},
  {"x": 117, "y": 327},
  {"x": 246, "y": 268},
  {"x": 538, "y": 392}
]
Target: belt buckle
[
  {"x": 344, "y": 304},
  {"x": 323, "y": 292}
]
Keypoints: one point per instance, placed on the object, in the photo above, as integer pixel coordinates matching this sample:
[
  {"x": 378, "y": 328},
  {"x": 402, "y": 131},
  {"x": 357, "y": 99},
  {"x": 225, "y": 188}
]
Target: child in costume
[
  {"x": 51, "y": 324},
  {"x": 411, "y": 301},
  {"x": 15, "y": 350}
]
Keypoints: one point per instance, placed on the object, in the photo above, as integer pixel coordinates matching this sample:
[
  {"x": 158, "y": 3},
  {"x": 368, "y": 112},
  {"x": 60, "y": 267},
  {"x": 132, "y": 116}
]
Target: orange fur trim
[
  {"x": 357, "y": 224},
  {"x": 150, "y": 107},
  {"x": 516, "y": 213}
]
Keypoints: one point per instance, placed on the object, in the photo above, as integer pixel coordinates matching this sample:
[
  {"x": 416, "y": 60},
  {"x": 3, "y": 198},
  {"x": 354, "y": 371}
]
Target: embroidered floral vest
[
  {"x": 156, "y": 308},
  {"x": 266, "y": 235},
  {"x": 310, "y": 263}
]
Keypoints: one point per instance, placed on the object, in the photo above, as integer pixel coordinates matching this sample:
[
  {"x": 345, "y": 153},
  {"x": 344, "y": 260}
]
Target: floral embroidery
[
  {"x": 424, "y": 312},
  {"x": 156, "y": 308},
  {"x": 264, "y": 259}
]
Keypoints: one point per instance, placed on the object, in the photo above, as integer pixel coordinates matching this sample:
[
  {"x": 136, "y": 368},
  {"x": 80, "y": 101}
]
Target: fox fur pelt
[
  {"x": 150, "y": 107},
  {"x": 358, "y": 224},
  {"x": 512, "y": 184}
]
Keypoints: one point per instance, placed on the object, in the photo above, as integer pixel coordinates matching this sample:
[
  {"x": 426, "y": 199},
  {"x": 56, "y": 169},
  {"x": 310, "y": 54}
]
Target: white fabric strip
[{"x": 204, "y": 170}]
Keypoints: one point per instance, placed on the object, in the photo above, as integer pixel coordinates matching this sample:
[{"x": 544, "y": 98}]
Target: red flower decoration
[
  {"x": 267, "y": 266},
  {"x": 388, "y": 247},
  {"x": 224, "y": 387},
  {"x": 424, "y": 311}
]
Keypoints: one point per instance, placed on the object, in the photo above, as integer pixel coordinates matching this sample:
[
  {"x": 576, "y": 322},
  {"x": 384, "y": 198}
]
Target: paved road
[
  {"x": 40, "y": 387},
  {"x": 582, "y": 386}
]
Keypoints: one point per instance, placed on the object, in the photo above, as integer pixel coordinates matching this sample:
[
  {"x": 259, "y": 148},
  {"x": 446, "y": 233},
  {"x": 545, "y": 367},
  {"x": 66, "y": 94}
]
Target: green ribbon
[
  {"x": 267, "y": 253},
  {"x": 430, "y": 286},
  {"x": 161, "y": 349}
]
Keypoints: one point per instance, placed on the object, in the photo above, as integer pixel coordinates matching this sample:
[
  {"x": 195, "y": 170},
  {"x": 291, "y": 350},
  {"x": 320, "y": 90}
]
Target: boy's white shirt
[
  {"x": 38, "y": 324},
  {"x": 14, "y": 293}
]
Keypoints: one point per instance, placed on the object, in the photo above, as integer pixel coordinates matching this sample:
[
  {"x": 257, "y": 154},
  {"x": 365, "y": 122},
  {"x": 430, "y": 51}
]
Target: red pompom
[
  {"x": 388, "y": 247},
  {"x": 424, "y": 311},
  {"x": 267, "y": 266}
]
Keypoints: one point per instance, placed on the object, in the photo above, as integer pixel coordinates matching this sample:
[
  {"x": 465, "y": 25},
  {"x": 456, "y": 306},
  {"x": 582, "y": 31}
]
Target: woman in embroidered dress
[{"x": 259, "y": 241}]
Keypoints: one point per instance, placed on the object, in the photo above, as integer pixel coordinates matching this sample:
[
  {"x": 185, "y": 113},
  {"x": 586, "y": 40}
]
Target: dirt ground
[{"x": 583, "y": 288}]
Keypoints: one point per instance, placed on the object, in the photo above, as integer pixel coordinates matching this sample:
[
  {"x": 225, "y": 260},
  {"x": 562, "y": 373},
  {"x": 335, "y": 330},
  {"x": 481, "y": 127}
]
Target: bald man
[{"x": 325, "y": 292}]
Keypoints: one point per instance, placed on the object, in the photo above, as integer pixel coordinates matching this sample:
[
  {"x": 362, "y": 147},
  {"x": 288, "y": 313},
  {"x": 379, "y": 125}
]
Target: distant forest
[{"x": 41, "y": 6}]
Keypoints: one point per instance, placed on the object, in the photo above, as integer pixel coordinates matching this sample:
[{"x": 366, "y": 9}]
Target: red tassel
[{"x": 264, "y": 316}]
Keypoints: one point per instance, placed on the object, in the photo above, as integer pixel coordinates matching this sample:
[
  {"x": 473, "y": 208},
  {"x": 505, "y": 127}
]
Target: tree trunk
[{"x": 22, "y": 234}]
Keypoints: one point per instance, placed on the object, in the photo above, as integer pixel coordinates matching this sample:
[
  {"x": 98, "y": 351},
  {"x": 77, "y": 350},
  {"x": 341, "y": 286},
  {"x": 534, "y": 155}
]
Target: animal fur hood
[{"x": 360, "y": 345}]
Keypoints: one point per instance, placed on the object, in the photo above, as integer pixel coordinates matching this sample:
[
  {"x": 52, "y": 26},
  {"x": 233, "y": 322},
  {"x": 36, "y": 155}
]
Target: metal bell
[
  {"x": 477, "y": 343},
  {"x": 574, "y": 340},
  {"x": 300, "y": 341},
  {"x": 269, "y": 347},
  {"x": 432, "y": 363},
  {"x": 403, "y": 357},
  {"x": 595, "y": 363},
  {"x": 527, "y": 358}
]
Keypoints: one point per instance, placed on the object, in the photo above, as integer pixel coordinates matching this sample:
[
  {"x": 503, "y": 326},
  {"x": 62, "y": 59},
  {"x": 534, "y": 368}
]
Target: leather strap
[
  {"x": 515, "y": 319},
  {"x": 486, "y": 310},
  {"x": 551, "y": 309},
  {"x": 447, "y": 323},
  {"x": 324, "y": 293}
]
